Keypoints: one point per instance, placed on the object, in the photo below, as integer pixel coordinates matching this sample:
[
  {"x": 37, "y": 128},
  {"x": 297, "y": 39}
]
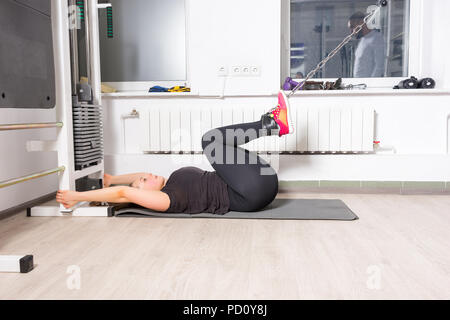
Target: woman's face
[{"x": 150, "y": 182}]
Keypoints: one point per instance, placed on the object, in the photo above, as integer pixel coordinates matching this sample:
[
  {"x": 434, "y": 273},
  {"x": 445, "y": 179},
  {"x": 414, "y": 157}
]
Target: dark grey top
[{"x": 192, "y": 190}]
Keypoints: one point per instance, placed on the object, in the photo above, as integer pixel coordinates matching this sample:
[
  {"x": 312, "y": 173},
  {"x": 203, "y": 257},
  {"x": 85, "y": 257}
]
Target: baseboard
[
  {"x": 367, "y": 187},
  {"x": 15, "y": 210}
]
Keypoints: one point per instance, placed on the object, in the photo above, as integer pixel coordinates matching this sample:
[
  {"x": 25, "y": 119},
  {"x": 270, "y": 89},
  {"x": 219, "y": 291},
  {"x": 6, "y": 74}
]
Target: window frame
[{"x": 414, "y": 48}]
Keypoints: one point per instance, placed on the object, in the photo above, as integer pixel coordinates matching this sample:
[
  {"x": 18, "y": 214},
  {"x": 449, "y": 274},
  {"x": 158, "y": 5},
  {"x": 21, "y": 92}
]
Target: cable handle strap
[{"x": 380, "y": 3}]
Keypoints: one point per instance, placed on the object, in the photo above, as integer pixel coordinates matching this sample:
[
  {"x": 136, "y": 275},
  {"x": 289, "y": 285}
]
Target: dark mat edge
[{"x": 136, "y": 212}]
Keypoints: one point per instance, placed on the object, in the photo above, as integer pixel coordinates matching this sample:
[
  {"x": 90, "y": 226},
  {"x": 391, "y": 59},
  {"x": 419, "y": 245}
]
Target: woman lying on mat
[{"x": 242, "y": 181}]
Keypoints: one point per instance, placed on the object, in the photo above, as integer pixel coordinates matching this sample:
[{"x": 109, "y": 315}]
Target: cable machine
[
  {"x": 78, "y": 105},
  {"x": 79, "y": 141}
]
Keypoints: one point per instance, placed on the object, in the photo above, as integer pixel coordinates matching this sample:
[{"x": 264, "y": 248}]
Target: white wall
[
  {"x": 233, "y": 33},
  {"x": 435, "y": 41}
]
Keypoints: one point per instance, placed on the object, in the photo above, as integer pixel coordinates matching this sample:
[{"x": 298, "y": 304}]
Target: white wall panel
[
  {"x": 187, "y": 129},
  {"x": 186, "y": 138},
  {"x": 196, "y": 130},
  {"x": 335, "y": 129},
  {"x": 302, "y": 128},
  {"x": 291, "y": 140},
  {"x": 313, "y": 130},
  {"x": 357, "y": 128},
  {"x": 324, "y": 129},
  {"x": 165, "y": 127},
  {"x": 346, "y": 130}
]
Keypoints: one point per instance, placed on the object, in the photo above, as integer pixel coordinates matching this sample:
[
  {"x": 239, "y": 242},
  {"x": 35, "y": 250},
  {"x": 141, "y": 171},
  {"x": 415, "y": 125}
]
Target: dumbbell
[
  {"x": 427, "y": 83},
  {"x": 289, "y": 84},
  {"x": 413, "y": 83}
]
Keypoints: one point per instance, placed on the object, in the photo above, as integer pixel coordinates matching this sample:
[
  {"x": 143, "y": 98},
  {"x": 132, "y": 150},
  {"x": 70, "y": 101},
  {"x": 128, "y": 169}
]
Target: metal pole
[
  {"x": 23, "y": 126},
  {"x": 63, "y": 88},
  {"x": 387, "y": 36},
  {"x": 407, "y": 27},
  {"x": 74, "y": 50},
  {"x": 11, "y": 182},
  {"x": 88, "y": 41}
]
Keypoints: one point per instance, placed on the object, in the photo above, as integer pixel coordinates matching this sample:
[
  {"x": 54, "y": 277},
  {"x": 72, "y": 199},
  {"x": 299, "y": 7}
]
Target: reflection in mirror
[
  {"x": 379, "y": 50},
  {"x": 148, "y": 43}
]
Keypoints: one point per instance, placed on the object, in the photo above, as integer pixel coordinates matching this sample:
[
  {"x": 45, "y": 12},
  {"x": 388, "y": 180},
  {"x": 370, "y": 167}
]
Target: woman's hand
[
  {"x": 66, "y": 198},
  {"x": 107, "y": 178}
]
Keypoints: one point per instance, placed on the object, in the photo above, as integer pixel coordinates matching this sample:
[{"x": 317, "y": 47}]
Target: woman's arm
[
  {"x": 155, "y": 200},
  {"x": 121, "y": 179}
]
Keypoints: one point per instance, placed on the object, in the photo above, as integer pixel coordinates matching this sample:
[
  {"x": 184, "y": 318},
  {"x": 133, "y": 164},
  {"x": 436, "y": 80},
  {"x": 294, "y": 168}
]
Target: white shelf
[
  {"x": 145, "y": 94},
  {"x": 378, "y": 91}
]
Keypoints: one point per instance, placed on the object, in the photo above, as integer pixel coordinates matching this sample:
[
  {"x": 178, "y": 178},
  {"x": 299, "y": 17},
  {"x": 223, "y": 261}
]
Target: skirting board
[{"x": 367, "y": 187}]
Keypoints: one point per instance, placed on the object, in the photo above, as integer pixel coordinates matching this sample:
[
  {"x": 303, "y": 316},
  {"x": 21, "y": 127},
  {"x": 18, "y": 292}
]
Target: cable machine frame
[{"x": 65, "y": 76}]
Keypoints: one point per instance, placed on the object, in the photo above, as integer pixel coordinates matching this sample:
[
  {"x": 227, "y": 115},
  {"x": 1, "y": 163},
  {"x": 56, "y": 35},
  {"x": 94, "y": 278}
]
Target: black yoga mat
[{"x": 279, "y": 209}]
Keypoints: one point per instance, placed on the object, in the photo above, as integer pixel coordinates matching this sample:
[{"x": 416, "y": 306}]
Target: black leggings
[{"x": 252, "y": 182}]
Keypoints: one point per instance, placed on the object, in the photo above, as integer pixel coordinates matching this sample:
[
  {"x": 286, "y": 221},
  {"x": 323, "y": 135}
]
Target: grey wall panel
[{"x": 27, "y": 77}]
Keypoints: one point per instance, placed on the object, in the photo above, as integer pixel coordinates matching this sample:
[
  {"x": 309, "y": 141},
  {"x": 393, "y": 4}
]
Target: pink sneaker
[{"x": 282, "y": 115}]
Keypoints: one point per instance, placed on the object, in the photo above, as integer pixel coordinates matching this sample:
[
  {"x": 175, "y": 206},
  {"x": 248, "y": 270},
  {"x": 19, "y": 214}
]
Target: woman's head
[{"x": 149, "y": 182}]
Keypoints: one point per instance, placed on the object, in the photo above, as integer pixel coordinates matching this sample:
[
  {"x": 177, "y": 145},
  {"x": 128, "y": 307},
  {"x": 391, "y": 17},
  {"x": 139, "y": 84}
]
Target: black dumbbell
[
  {"x": 411, "y": 83},
  {"x": 382, "y": 3},
  {"x": 427, "y": 83}
]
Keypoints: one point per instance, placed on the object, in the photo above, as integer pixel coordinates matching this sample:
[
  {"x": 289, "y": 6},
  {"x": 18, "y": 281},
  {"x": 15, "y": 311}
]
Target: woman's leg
[{"x": 252, "y": 182}]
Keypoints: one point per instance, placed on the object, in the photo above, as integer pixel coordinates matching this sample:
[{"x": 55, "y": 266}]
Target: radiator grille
[
  {"x": 88, "y": 135},
  {"x": 317, "y": 130}
]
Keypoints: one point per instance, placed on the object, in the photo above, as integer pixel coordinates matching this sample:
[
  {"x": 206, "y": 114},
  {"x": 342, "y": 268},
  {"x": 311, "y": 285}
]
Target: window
[
  {"x": 148, "y": 43},
  {"x": 318, "y": 26}
]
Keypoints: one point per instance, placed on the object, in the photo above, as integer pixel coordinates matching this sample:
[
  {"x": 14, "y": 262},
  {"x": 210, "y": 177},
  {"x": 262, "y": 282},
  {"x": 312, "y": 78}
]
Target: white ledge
[
  {"x": 145, "y": 94},
  {"x": 379, "y": 91},
  {"x": 358, "y": 92}
]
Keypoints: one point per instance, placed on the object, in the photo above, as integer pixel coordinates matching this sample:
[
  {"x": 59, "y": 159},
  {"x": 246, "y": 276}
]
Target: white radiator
[{"x": 317, "y": 129}]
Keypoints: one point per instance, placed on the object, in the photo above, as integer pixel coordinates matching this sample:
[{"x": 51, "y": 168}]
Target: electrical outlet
[
  {"x": 236, "y": 71},
  {"x": 245, "y": 71},
  {"x": 255, "y": 71},
  {"x": 222, "y": 71}
]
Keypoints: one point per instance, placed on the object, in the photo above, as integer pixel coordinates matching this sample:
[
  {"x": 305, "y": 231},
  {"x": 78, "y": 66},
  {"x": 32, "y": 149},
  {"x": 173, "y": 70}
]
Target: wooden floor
[{"x": 399, "y": 249}]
